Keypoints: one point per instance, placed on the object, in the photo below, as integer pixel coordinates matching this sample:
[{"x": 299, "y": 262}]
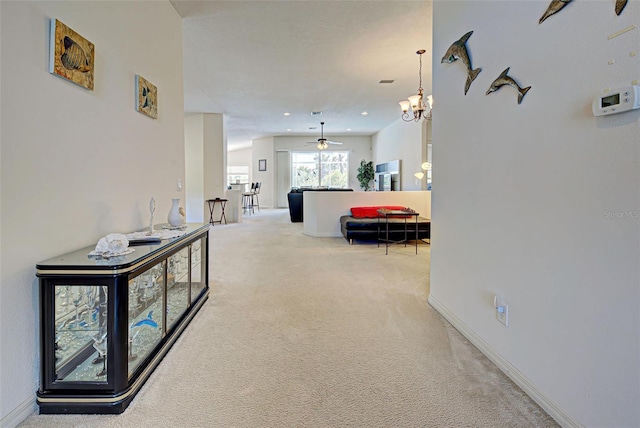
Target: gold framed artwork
[
  {"x": 71, "y": 56},
  {"x": 146, "y": 97}
]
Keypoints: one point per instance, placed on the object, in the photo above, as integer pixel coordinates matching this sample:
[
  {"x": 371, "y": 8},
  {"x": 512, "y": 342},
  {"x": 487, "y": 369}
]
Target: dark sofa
[
  {"x": 295, "y": 198},
  {"x": 367, "y": 228}
]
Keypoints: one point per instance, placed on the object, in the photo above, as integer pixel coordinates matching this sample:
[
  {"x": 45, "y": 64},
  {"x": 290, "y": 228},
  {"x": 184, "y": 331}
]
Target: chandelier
[{"x": 419, "y": 108}]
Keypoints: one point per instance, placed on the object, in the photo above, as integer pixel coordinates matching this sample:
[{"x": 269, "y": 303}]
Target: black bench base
[{"x": 366, "y": 229}]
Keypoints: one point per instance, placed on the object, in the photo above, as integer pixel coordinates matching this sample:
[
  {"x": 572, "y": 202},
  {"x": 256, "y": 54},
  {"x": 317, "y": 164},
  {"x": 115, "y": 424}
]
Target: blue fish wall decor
[{"x": 148, "y": 321}]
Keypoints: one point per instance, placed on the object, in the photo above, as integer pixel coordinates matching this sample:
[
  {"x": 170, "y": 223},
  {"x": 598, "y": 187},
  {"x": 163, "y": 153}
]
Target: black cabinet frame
[{"x": 108, "y": 281}]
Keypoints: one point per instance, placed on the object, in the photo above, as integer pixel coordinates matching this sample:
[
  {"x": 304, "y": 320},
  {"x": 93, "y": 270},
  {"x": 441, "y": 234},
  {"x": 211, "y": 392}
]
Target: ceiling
[{"x": 253, "y": 61}]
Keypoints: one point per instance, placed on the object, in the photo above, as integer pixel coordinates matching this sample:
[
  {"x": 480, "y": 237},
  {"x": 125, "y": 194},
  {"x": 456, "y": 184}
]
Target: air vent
[
  {"x": 316, "y": 113},
  {"x": 387, "y": 81},
  {"x": 311, "y": 128}
]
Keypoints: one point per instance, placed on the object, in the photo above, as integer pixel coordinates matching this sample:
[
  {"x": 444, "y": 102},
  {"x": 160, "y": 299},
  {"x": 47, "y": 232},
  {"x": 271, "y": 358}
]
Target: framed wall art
[
  {"x": 146, "y": 97},
  {"x": 262, "y": 165},
  {"x": 71, "y": 56}
]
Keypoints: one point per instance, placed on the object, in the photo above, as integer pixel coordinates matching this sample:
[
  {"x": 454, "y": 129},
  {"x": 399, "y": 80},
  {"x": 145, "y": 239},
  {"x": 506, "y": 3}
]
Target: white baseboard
[
  {"x": 507, "y": 368},
  {"x": 19, "y": 414},
  {"x": 322, "y": 235}
]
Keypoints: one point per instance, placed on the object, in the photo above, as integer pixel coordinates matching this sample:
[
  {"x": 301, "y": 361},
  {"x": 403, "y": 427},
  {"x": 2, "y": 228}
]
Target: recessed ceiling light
[
  {"x": 364, "y": 113},
  {"x": 316, "y": 113},
  {"x": 386, "y": 81},
  {"x": 287, "y": 114},
  {"x": 288, "y": 129},
  {"x": 348, "y": 129}
]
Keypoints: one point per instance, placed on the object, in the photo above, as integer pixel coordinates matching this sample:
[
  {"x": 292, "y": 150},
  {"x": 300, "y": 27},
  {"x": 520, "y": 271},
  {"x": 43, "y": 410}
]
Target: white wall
[
  {"x": 322, "y": 210},
  {"x": 194, "y": 166},
  {"x": 263, "y": 149},
  {"x": 214, "y": 157},
  {"x": 540, "y": 202},
  {"x": 405, "y": 141},
  {"x": 1, "y": 306},
  {"x": 78, "y": 164},
  {"x": 240, "y": 157},
  {"x": 205, "y": 148}
]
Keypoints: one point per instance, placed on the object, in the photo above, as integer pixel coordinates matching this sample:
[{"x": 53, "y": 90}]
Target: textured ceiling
[{"x": 255, "y": 60}]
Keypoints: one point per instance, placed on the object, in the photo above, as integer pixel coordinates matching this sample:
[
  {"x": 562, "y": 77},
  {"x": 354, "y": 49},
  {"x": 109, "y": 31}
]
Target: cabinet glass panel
[
  {"x": 80, "y": 333},
  {"x": 177, "y": 286},
  {"x": 197, "y": 269},
  {"x": 146, "y": 312}
]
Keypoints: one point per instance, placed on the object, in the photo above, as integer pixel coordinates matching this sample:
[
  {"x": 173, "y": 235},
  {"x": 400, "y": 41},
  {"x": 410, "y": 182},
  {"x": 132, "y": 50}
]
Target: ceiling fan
[{"x": 322, "y": 142}]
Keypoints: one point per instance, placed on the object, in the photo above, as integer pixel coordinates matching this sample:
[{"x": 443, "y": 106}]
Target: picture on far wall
[
  {"x": 146, "y": 97},
  {"x": 262, "y": 165},
  {"x": 71, "y": 56}
]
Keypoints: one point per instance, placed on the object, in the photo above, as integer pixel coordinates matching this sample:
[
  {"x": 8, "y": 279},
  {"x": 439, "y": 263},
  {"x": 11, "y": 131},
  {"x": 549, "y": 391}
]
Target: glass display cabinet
[{"x": 105, "y": 324}]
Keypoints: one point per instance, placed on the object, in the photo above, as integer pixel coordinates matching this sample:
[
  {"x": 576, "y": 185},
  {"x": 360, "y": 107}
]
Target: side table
[
  {"x": 386, "y": 214},
  {"x": 212, "y": 206}
]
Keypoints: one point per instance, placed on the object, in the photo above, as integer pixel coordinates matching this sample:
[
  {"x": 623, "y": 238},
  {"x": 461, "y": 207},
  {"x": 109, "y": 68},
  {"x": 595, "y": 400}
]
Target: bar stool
[
  {"x": 247, "y": 199},
  {"x": 256, "y": 192},
  {"x": 212, "y": 206}
]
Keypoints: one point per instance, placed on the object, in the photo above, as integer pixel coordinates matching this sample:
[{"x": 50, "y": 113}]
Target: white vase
[{"x": 175, "y": 218}]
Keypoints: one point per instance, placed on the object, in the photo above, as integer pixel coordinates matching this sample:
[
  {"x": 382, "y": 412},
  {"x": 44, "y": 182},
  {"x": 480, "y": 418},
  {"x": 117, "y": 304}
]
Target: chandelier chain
[{"x": 420, "y": 75}]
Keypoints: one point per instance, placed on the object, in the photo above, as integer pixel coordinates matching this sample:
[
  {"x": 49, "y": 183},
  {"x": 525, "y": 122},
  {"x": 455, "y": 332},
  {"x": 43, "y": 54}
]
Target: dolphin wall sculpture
[
  {"x": 554, "y": 7},
  {"x": 458, "y": 50},
  {"x": 502, "y": 80},
  {"x": 620, "y": 4}
]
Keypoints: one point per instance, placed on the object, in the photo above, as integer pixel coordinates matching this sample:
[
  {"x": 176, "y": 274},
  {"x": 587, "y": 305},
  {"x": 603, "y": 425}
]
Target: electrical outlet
[{"x": 502, "y": 314}]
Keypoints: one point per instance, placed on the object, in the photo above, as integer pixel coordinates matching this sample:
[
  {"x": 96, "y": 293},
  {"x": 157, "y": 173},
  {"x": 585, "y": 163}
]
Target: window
[
  {"x": 237, "y": 174},
  {"x": 320, "y": 169}
]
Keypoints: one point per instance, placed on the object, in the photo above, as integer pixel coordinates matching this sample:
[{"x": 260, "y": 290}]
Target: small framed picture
[
  {"x": 262, "y": 165},
  {"x": 146, "y": 97},
  {"x": 71, "y": 56}
]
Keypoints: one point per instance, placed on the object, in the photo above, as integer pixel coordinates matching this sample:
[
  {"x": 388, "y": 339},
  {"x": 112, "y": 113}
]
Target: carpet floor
[{"x": 313, "y": 332}]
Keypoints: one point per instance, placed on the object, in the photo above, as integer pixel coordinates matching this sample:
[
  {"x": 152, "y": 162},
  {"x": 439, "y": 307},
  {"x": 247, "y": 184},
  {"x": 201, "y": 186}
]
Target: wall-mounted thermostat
[{"x": 617, "y": 101}]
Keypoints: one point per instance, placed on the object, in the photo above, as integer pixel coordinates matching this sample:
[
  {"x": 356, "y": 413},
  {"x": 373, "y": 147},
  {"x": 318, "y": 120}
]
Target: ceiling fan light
[
  {"x": 404, "y": 105},
  {"x": 322, "y": 143},
  {"x": 419, "y": 175},
  {"x": 426, "y": 166}
]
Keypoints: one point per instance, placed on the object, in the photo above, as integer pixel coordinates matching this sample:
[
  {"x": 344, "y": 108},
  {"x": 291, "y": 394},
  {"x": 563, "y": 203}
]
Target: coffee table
[{"x": 386, "y": 214}]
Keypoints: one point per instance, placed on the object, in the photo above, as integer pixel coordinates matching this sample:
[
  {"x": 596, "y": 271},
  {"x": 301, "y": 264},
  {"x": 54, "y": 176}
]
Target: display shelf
[
  {"x": 106, "y": 323},
  {"x": 177, "y": 286},
  {"x": 80, "y": 330}
]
